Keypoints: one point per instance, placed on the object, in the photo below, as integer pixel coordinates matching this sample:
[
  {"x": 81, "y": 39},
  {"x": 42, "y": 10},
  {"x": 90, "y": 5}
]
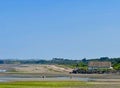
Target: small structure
[{"x": 92, "y": 65}]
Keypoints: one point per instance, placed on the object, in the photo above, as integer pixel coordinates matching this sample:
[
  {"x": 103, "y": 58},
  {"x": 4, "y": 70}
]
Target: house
[{"x": 99, "y": 65}]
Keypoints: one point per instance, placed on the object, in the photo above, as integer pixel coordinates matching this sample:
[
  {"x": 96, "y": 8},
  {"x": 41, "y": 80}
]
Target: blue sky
[{"x": 71, "y": 29}]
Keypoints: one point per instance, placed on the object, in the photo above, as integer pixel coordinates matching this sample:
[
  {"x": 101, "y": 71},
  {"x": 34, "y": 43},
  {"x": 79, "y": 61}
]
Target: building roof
[{"x": 99, "y": 64}]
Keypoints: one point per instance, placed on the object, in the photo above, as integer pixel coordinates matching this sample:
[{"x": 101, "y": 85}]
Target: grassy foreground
[
  {"x": 44, "y": 84},
  {"x": 59, "y": 84}
]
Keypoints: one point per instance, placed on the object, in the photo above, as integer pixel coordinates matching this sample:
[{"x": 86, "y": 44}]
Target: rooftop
[{"x": 99, "y": 64}]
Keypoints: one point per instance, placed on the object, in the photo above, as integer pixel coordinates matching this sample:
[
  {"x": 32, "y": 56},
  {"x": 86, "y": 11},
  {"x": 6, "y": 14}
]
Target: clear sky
[{"x": 71, "y": 29}]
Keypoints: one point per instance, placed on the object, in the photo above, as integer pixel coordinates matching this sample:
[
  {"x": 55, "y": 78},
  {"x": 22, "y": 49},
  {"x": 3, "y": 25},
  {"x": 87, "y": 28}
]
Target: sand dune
[{"x": 42, "y": 69}]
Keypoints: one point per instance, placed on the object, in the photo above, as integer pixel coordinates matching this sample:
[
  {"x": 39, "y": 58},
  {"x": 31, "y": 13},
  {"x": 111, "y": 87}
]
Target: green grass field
[
  {"x": 58, "y": 84},
  {"x": 44, "y": 84}
]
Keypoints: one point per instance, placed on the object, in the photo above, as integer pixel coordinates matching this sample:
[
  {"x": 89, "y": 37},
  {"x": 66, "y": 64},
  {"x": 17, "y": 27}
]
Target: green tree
[{"x": 117, "y": 66}]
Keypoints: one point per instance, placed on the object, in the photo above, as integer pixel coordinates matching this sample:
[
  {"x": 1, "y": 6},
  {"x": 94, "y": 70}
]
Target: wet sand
[{"x": 77, "y": 77}]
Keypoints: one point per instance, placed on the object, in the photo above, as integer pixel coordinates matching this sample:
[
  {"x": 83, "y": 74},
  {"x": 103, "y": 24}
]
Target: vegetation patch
[{"x": 44, "y": 84}]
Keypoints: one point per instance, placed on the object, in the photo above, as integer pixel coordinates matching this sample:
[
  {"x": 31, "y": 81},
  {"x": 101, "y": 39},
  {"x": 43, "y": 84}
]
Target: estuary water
[{"x": 57, "y": 78}]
